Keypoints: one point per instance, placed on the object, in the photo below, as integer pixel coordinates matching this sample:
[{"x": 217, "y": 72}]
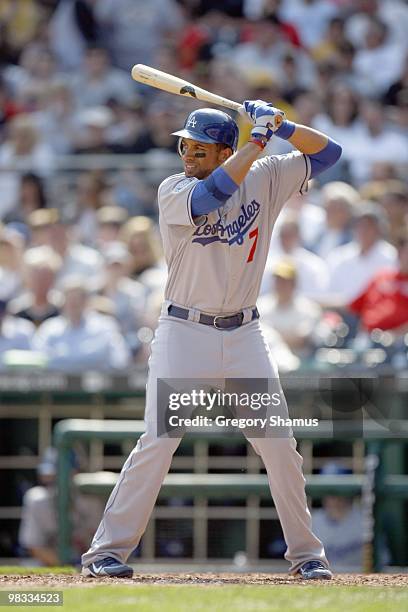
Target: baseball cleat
[
  {"x": 314, "y": 570},
  {"x": 107, "y": 567}
]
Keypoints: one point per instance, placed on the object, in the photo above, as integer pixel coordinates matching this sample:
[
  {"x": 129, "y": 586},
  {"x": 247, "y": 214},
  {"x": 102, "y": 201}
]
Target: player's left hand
[{"x": 264, "y": 114}]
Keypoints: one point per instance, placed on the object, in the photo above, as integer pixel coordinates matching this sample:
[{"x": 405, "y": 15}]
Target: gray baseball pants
[{"x": 192, "y": 350}]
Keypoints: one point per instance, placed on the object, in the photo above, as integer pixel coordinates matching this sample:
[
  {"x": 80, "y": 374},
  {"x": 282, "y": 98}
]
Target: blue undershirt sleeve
[
  {"x": 325, "y": 158},
  {"x": 212, "y": 192},
  {"x": 318, "y": 161}
]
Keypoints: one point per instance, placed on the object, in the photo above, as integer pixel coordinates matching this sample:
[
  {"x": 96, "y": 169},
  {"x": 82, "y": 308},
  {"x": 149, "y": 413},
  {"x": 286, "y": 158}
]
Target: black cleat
[
  {"x": 107, "y": 567},
  {"x": 314, "y": 570}
]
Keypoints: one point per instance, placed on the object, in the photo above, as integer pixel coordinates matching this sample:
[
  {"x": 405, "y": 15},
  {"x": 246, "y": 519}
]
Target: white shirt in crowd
[
  {"x": 346, "y": 134},
  {"x": 312, "y": 272},
  {"x": 15, "y": 334},
  {"x": 310, "y": 18},
  {"x": 380, "y": 67},
  {"x": 80, "y": 260},
  {"x": 361, "y": 149},
  {"x": 129, "y": 300},
  {"x": 351, "y": 271},
  {"x": 115, "y": 83},
  {"x": 311, "y": 218},
  {"x": 95, "y": 344},
  {"x": 368, "y": 149},
  {"x": 331, "y": 239},
  {"x": 297, "y": 318}
]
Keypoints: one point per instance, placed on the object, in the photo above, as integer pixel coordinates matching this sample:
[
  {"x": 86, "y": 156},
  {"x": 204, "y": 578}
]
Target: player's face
[{"x": 201, "y": 158}]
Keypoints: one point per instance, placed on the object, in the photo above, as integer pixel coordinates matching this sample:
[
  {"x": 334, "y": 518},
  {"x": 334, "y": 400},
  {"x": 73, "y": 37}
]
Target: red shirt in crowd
[{"x": 384, "y": 303}]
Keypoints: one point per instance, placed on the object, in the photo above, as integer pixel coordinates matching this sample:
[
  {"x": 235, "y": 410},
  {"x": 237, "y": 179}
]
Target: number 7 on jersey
[{"x": 253, "y": 234}]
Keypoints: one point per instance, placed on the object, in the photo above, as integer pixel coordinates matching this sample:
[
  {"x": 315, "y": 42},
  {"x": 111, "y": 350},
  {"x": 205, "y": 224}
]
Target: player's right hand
[
  {"x": 264, "y": 114},
  {"x": 267, "y": 119}
]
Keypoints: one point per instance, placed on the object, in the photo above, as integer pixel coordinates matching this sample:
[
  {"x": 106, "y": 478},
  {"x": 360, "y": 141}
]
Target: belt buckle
[{"x": 215, "y": 321}]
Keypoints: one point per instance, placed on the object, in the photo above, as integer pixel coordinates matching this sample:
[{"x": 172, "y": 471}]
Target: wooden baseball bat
[{"x": 172, "y": 84}]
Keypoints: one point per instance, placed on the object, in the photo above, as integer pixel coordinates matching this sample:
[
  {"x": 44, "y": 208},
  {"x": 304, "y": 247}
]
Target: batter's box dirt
[{"x": 66, "y": 581}]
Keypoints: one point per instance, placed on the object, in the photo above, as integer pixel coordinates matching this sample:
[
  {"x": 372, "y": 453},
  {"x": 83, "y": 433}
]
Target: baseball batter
[{"x": 216, "y": 220}]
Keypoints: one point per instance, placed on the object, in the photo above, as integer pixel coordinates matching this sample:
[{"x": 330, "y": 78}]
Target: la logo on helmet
[{"x": 192, "y": 122}]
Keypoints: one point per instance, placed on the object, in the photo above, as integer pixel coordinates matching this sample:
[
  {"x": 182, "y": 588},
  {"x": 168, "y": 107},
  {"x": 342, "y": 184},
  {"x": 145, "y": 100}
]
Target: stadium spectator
[
  {"x": 19, "y": 20},
  {"x": 375, "y": 143},
  {"x": 310, "y": 17},
  {"x": 310, "y": 218},
  {"x": 98, "y": 81},
  {"x": 393, "y": 13},
  {"x": 266, "y": 54},
  {"x": 133, "y": 29},
  {"x": 353, "y": 265},
  {"x": 38, "y": 533},
  {"x": 339, "y": 525},
  {"x": 94, "y": 123},
  {"x": 40, "y": 268},
  {"x": 22, "y": 151},
  {"x": 127, "y": 124},
  {"x": 380, "y": 62},
  {"x": 271, "y": 11},
  {"x": 38, "y": 73},
  {"x": 157, "y": 132},
  {"x": 312, "y": 271},
  {"x": 48, "y": 228},
  {"x": 127, "y": 296},
  {"x": 140, "y": 236},
  {"x": 72, "y": 28},
  {"x": 394, "y": 201},
  {"x": 15, "y": 333},
  {"x": 341, "y": 120},
  {"x": 384, "y": 302},
  {"x": 339, "y": 203},
  {"x": 327, "y": 48},
  {"x": 31, "y": 197},
  {"x": 345, "y": 74},
  {"x": 80, "y": 339},
  {"x": 292, "y": 315},
  {"x": 57, "y": 118},
  {"x": 109, "y": 221},
  {"x": 90, "y": 192}
]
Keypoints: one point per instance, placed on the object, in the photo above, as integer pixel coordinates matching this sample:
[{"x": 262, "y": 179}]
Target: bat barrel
[{"x": 172, "y": 84}]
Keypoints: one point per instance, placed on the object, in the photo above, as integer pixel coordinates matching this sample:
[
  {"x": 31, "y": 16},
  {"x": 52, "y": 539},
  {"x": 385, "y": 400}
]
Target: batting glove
[{"x": 266, "y": 117}]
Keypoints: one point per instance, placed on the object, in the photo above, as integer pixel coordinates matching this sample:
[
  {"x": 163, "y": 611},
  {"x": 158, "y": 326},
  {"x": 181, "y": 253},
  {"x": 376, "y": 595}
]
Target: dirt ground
[{"x": 66, "y": 581}]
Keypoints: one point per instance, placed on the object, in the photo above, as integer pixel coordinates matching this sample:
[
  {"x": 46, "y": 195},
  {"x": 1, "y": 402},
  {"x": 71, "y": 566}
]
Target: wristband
[
  {"x": 260, "y": 144},
  {"x": 286, "y": 130}
]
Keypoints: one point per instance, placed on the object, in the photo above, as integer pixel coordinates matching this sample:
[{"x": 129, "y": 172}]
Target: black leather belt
[{"x": 217, "y": 321}]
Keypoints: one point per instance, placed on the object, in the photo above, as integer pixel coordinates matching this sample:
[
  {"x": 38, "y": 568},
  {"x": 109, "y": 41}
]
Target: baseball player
[{"x": 216, "y": 220}]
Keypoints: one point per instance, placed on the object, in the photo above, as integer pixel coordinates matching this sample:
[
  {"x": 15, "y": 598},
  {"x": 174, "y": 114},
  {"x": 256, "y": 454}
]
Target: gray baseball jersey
[{"x": 216, "y": 261}]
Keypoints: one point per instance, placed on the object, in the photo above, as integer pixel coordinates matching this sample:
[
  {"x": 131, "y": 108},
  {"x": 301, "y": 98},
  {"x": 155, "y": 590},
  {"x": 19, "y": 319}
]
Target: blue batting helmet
[{"x": 212, "y": 126}]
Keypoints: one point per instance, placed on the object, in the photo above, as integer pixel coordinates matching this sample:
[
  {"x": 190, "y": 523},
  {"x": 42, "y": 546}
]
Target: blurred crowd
[{"x": 82, "y": 273}]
